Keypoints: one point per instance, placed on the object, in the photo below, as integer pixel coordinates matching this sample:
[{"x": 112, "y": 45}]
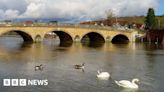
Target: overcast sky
[{"x": 73, "y": 9}]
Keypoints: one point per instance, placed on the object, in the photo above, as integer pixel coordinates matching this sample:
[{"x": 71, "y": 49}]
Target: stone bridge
[{"x": 70, "y": 33}]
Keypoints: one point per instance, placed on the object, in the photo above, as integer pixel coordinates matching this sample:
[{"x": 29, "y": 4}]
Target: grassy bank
[{"x": 127, "y": 20}]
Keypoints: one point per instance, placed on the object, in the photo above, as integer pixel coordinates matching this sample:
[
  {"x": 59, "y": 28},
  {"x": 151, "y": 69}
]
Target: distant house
[
  {"x": 2, "y": 23},
  {"x": 28, "y": 23},
  {"x": 142, "y": 27},
  {"x": 7, "y": 21},
  {"x": 53, "y": 22}
]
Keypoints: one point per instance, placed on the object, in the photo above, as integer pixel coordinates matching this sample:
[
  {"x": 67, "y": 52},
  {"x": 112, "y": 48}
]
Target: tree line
[{"x": 151, "y": 21}]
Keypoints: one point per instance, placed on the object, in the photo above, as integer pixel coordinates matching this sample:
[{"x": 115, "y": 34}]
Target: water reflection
[
  {"x": 93, "y": 44},
  {"x": 123, "y": 61},
  {"x": 128, "y": 90},
  {"x": 152, "y": 46}
]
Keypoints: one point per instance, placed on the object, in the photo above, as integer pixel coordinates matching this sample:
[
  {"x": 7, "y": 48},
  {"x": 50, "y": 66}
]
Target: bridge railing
[
  {"x": 95, "y": 27},
  {"x": 66, "y": 25}
]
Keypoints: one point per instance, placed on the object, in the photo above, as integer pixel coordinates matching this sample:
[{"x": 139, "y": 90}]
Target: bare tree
[{"x": 110, "y": 14}]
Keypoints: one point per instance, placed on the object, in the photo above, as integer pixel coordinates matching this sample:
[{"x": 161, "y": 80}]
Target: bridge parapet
[{"x": 99, "y": 27}]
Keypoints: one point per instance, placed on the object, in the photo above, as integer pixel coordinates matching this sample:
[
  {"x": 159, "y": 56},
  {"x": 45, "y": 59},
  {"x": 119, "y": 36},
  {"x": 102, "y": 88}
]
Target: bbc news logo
[{"x": 24, "y": 82}]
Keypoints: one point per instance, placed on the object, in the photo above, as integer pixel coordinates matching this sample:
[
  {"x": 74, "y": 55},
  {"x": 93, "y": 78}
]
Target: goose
[
  {"x": 103, "y": 75},
  {"x": 39, "y": 67},
  {"x": 79, "y": 66},
  {"x": 128, "y": 84}
]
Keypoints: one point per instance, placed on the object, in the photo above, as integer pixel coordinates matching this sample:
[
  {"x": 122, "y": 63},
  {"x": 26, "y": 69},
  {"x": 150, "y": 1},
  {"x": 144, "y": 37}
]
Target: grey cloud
[
  {"x": 80, "y": 9},
  {"x": 13, "y": 4}
]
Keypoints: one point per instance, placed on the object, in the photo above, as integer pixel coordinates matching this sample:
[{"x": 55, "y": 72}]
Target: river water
[{"x": 123, "y": 61}]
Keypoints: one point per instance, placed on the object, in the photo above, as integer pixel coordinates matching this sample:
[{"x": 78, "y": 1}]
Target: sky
[
  {"x": 79, "y": 10},
  {"x": 160, "y": 10}
]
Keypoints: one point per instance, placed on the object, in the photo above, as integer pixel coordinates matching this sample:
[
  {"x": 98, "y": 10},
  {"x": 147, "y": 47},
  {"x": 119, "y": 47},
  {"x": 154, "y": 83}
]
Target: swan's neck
[
  {"x": 98, "y": 72},
  {"x": 134, "y": 81}
]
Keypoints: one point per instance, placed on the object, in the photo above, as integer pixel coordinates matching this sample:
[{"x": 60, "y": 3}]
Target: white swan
[
  {"x": 128, "y": 84},
  {"x": 103, "y": 75}
]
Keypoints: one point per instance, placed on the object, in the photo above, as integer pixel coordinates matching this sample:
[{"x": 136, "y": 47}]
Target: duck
[
  {"x": 128, "y": 84},
  {"x": 39, "y": 67},
  {"x": 103, "y": 75},
  {"x": 79, "y": 66}
]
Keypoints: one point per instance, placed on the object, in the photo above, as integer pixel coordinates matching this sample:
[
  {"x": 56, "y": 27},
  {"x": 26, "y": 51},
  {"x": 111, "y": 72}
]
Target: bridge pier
[
  {"x": 38, "y": 39},
  {"x": 108, "y": 39},
  {"x": 77, "y": 39},
  {"x": 133, "y": 38}
]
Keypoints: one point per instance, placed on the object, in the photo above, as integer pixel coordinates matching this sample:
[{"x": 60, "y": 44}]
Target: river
[{"x": 123, "y": 61}]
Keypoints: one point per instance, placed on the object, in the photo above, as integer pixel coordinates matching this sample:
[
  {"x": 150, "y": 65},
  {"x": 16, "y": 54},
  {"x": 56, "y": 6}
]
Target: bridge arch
[
  {"x": 77, "y": 38},
  {"x": 93, "y": 37},
  {"x": 120, "y": 38},
  {"x": 26, "y": 36},
  {"x": 108, "y": 38},
  {"x": 64, "y": 37},
  {"x": 38, "y": 38}
]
